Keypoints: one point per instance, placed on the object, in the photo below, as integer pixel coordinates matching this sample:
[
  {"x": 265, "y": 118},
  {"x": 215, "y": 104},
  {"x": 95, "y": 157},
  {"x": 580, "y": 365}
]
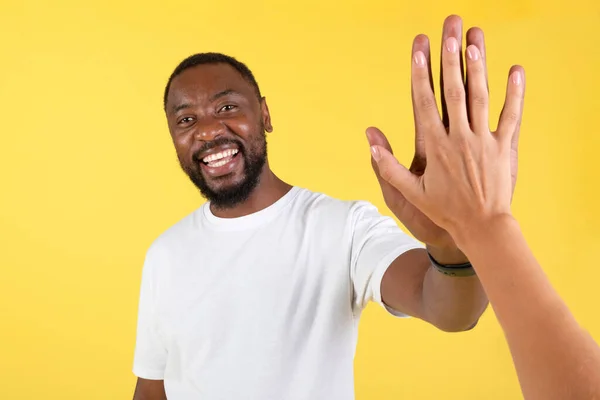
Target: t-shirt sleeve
[
  {"x": 150, "y": 353},
  {"x": 377, "y": 241}
]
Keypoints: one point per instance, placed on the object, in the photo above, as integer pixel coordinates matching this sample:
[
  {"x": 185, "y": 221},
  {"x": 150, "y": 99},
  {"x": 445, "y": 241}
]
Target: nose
[{"x": 208, "y": 128}]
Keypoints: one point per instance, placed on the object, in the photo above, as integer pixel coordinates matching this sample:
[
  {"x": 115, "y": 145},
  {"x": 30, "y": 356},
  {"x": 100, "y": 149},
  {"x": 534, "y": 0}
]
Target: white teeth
[
  {"x": 220, "y": 163},
  {"x": 219, "y": 155}
]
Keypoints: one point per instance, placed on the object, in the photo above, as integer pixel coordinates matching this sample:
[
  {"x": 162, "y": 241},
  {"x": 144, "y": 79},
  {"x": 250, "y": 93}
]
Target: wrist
[
  {"x": 476, "y": 231},
  {"x": 450, "y": 255}
]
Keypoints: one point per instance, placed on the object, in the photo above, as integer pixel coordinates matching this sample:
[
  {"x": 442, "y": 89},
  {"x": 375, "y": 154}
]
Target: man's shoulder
[{"x": 318, "y": 203}]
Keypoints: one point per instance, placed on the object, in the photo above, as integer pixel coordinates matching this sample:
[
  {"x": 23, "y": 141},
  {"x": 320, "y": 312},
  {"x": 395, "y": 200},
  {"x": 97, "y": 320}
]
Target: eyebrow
[
  {"x": 180, "y": 107},
  {"x": 214, "y": 97}
]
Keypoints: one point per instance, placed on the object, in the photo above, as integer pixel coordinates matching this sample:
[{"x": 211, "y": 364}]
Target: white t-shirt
[{"x": 265, "y": 306}]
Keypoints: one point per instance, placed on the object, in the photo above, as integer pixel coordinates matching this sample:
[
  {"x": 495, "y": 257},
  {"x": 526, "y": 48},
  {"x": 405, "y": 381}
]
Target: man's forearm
[{"x": 452, "y": 304}]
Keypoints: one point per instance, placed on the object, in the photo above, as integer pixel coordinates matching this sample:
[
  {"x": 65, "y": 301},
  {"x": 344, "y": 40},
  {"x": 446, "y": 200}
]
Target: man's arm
[
  {"x": 150, "y": 354},
  {"x": 413, "y": 286},
  {"x": 146, "y": 389}
]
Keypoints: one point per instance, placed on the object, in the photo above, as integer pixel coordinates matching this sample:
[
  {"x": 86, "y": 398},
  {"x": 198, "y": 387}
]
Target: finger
[
  {"x": 376, "y": 138},
  {"x": 475, "y": 37},
  {"x": 420, "y": 43},
  {"x": 477, "y": 93},
  {"x": 454, "y": 88},
  {"x": 512, "y": 111},
  {"x": 427, "y": 116},
  {"x": 394, "y": 173},
  {"x": 452, "y": 28},
  {"x": 517, "y": 132}
]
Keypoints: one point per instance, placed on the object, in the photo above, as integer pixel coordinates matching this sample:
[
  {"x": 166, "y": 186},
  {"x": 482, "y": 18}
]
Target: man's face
[{"x": 218, "y": 126}]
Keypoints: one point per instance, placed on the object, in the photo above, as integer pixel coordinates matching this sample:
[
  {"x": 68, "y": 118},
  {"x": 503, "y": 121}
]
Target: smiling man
[{"x": 258, "y": 293}]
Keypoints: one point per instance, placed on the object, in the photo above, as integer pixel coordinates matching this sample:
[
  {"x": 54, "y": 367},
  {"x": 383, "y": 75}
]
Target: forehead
[{"x": 200, "y": 82}]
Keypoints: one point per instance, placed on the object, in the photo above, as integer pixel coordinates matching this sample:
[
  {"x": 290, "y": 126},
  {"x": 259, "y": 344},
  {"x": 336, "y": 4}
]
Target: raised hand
[
  {"x": 462, "y": 172},
  {"x": 456, "y": 90}
]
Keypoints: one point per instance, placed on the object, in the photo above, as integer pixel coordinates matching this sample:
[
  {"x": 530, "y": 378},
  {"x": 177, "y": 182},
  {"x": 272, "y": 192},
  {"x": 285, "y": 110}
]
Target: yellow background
[{"x": 89, "y": 176}]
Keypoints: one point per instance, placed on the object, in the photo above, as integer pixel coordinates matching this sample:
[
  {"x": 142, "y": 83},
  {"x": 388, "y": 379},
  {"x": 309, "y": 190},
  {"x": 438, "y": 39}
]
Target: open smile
[
  {"x": 221, "y": 162},
  {"x": 221, "y": 158}
]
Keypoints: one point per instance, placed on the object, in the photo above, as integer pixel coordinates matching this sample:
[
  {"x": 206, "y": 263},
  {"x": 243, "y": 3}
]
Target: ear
[{"x": 266, "y": 116}]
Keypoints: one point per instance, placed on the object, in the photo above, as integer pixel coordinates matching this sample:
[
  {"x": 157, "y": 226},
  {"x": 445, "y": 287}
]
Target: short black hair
[{"x": 211, "y": 58}]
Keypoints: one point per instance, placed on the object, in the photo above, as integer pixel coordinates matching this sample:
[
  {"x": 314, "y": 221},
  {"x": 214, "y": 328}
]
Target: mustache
[{"x": 216, "y": 143}]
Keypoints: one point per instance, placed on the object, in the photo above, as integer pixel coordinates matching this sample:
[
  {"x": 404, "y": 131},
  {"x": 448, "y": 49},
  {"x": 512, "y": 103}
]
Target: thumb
[
  {"x": 377, "y": 138},
  {"x": 397, "y": 175}
]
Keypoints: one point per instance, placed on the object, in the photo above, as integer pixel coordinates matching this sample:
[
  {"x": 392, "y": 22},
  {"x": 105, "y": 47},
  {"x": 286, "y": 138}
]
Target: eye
[
  {"x": 185, "y": 120},
  {"x": 228, "y": 107}
]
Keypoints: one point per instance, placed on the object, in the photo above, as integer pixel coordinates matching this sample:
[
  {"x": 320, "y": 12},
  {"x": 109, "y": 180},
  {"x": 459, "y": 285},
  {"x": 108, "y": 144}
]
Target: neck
[{"x": 269, "y": 189}]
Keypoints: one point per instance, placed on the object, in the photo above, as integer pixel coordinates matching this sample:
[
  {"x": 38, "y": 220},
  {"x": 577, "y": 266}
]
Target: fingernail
[
  {"x": 516, "y": 78},
  {"x": 420, "y": 59},
  {"x": 375, "y": 153},
  {"x": 452, "y": 45},
  {"x": 473, "y": 53}
]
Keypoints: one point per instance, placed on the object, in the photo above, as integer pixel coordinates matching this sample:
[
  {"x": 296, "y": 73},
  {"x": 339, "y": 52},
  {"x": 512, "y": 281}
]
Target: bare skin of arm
[
  {"x": 149, "y": 390},
  {"x": 554, "y": 356},
  {"x": 452, "y": 304},
  {"x": 466, "y": 190}
]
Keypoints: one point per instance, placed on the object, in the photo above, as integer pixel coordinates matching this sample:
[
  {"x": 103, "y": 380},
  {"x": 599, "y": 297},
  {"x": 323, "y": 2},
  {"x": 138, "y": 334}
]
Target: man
[{"x": 258, "y": 293}]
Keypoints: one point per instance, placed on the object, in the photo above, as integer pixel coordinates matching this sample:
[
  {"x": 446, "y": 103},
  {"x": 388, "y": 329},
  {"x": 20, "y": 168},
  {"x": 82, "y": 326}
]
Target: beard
[{"x": 230, "y": 195}]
